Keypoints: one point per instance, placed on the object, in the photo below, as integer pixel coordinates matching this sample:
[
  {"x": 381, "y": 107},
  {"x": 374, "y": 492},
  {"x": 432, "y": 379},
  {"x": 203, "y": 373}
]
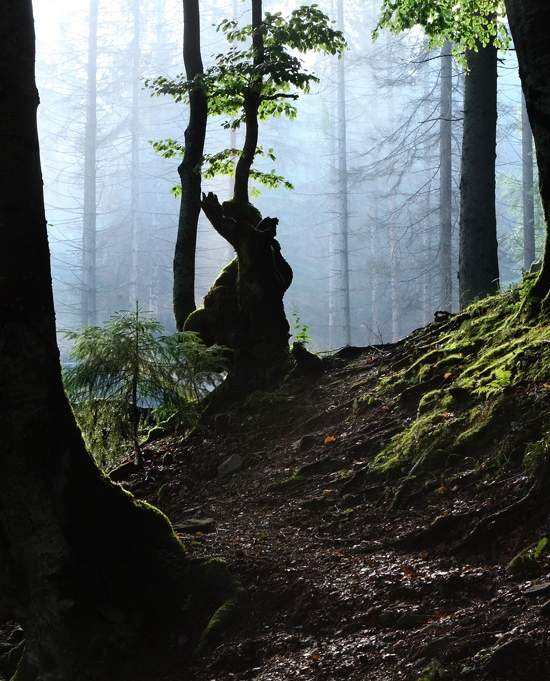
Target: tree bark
[
  {"x": 343, "y": 199},
  {"x": 189, "y": 169},
  {"x": 252, "y": 100},
  {"x": 478, "y": 258},
  {"x": 528, "y": 24},
  {"x": 261, "y": 277},
  {"x": 86, "y": 566},
  {"x": 528, "y": 198},
  {"x": 445, "y": 179},
  {"x": 88, "y": 294},
  {"x": 135, "y": 130}
]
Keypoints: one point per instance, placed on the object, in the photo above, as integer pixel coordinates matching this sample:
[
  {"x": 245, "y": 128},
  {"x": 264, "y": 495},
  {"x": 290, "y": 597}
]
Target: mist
[{"x": 362, "y": 226}]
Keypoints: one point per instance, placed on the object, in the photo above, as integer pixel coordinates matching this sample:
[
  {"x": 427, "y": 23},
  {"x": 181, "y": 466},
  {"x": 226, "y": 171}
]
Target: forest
[{"x": 274, "y": 340}]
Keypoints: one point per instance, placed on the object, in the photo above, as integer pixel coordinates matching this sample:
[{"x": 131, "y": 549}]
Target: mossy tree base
[
  {"x": 244, "y": 309},
  {"x": 100, "y": 570}
]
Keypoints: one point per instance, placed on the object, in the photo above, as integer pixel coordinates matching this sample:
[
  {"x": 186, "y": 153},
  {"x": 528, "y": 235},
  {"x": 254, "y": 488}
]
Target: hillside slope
[{"x": 376, "y": 509}]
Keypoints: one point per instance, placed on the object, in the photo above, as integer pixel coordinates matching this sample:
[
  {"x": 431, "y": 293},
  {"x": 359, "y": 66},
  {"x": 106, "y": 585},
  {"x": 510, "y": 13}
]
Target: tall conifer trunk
[
  {"x": 478, "y": 258},
  {"x": 88, "y": 294},
  {"x": 445, "y": 179},
  {"x": 135, "y": 134},
  {"x": 343, "y": 199}
]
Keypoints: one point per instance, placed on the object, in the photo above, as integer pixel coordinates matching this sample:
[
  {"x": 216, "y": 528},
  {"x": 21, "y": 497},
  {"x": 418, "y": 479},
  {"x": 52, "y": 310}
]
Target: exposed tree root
[
  {"x": 442, "y": 529},
  {"x": 535, "y": 502}
]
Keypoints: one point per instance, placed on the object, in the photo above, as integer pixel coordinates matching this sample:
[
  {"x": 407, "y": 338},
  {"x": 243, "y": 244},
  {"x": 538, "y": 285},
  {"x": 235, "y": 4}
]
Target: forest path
[{"x": 329, "y": 594}]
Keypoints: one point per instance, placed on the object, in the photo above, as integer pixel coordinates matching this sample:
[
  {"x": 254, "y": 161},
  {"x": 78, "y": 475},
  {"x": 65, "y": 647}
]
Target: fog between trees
[{"x": 362, "y": 227}]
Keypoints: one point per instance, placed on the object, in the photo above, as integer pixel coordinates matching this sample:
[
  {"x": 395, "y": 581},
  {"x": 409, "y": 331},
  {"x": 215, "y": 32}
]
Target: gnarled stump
[{"x": 253, "y": 321}]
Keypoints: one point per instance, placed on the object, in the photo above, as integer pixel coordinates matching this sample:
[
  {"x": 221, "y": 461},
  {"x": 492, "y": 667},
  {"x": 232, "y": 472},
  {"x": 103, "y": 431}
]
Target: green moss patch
[{"x": 457, "y": 374}]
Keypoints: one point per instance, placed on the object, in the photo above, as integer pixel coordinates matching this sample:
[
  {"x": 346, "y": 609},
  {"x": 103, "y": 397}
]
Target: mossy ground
[{"x": 465, "y": 375}]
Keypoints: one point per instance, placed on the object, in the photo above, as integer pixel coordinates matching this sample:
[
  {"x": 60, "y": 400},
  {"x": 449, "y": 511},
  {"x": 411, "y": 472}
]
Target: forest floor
[{"x": 324, "y": 522}]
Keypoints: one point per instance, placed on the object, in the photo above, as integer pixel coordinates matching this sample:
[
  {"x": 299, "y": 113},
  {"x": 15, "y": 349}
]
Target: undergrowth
[{"x": 127, "y": 377}]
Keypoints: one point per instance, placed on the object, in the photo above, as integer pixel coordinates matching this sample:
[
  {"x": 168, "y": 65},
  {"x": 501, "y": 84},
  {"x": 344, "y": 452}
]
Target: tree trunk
[
  {"x": 88, "y": 294},
  {"x": 528, "y": 198},
  {"x": 252, "y": 99},
  {"x": 445, "y": 180},
  {"x": 343, "y": 200},
  {"x": 260, "y": 279},
  {"x": 529, "y": 23},
  {"x": 394, "y": 278},
  {"x": 189, "y": 169},
  {"x": 83, "y": 566},
  {"x": 478, "y": 258},
  {"x": 135, "y": 159}
]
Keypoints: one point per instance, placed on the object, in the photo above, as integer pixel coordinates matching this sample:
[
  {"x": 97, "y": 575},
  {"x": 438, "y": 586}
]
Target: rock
[
  {"x": 523, "y": 564},
  {"x": 168, "y": 458},
  {"x": 325, "y": 465},
  {"x": 412, "y": 620},
  {"x": 316, "y": 504},
  {"x": 540, "y": 589},
  {"x": 194, "y": 525},
  {"x": 231, "y": 465},
  {"x": 304, "y": 443},
  {"x": 510, "y": 657},
  {"x": 222, "y": 422},
  {"x": 123, "y": 471},
  {"x": 545, "y": 609}
]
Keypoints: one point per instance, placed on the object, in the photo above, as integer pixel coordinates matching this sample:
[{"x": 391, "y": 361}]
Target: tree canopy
[
  {"x": 469, "y": 24},
  {"x": 281, "y": 77}
]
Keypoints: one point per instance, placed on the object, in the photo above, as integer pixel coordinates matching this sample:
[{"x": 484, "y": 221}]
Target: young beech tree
[
  {"x": 473, "y": 27},
  {"x": 84, "y": 567},
  {"x": 189, "y": 169},
  {"x": 249, "y": 84}
]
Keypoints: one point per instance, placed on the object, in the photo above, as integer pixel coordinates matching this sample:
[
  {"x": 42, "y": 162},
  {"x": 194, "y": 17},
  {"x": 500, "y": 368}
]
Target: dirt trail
[{"x": 329, "y": 593}]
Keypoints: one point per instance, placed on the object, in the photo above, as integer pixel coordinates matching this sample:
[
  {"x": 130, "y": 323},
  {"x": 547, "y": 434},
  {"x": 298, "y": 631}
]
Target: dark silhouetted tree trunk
[
  {"x": 189, "y": 169},
  {"x": 83, "y": 566},
  {"x": 478, "y": 256},
  {"x": 253, "y": 285},
  {"x": 260, "y": 279},
  {"x": 445, "y": 179},
  {"x": 135, "y": 132},
  {"x": 529, "y": 21},
  {"x": 252, "y": 100},
  {"x": 343, "y": 199},
  {"x": 88, "y": 294},
  {"x": 528, "y": 194}
]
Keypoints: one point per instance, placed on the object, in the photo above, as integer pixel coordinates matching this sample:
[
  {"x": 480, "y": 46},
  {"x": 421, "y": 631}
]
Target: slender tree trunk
[
  {"x": 528, "y": 194},
  {"x": 529, "y": 23},
  {"x": 478, "y": 258},
  {"x": 230, "y": 252},
  {"x": 252, "y": 99},
  {"x": 135, "y": 158},
  {"x": 88, "y": 294},
  {"x": 374, "y": 277},
  {"x": 343, "y": 200},
  {"x": 83, "y": 566},
  {"x": 189, "y": 169},
  {"x": 445, "y": 180},
  {"x": 394, "y": 281}
]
